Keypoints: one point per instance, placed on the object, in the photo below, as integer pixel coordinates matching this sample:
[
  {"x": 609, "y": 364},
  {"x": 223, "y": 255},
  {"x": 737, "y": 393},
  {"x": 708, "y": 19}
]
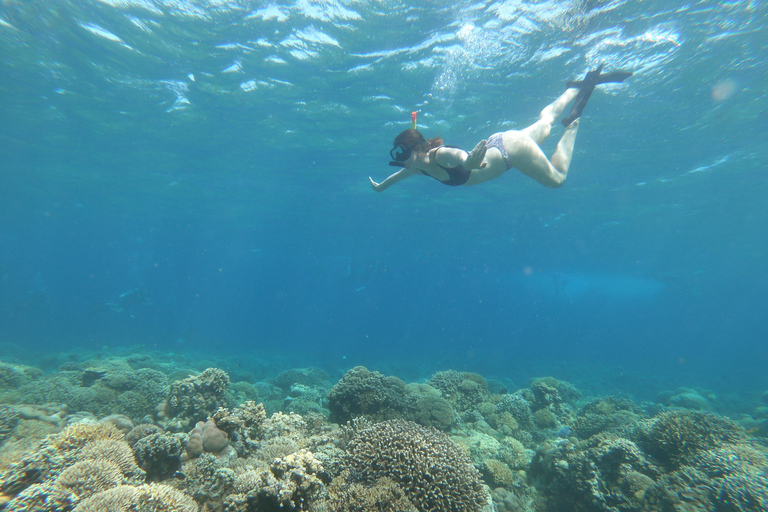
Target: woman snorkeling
[{"x": 501, "y": 151}]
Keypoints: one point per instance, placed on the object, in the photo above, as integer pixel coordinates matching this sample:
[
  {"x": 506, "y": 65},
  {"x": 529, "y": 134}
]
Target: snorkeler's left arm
[{"x": 391, "y": 180}]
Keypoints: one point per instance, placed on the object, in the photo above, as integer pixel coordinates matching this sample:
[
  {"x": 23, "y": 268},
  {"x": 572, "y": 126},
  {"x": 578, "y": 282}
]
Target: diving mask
[{"x": 400, "y": 153}]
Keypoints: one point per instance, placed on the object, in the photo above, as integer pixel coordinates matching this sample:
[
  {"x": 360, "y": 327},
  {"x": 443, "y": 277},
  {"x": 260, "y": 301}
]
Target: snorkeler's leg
[
  {"x": 539, "y": 130},
  {"x": 561, "y": 158},
  {"x": 527, "y": 156}
]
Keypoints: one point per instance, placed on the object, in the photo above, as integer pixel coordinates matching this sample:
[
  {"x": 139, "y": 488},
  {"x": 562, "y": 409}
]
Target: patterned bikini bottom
[{"x": 497, "y": 141}]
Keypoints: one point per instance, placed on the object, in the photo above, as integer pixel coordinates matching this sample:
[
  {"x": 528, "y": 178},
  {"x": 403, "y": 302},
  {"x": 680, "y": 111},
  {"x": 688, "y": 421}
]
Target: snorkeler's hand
[
  {"x": 375, "y": 186},
  {"x": 475, "y": 157}
]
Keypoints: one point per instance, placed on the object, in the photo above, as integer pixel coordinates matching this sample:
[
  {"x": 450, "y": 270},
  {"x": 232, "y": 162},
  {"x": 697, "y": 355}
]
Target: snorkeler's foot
[
  {"x": 586, "y": 86},
  {"x": 585, "y": 91}
]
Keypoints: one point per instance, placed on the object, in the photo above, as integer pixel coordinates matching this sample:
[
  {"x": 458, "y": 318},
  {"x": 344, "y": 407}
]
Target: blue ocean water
[{"x": 191, "y": 177}]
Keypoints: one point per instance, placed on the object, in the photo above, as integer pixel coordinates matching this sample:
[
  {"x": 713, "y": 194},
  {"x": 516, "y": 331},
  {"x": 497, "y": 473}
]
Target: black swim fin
[{"x": 586, "y": 86}]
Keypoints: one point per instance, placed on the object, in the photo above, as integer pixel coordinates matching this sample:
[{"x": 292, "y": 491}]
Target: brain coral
[
  {"x": 432, "y": 470},
  {"x": 362, "y": 392}
]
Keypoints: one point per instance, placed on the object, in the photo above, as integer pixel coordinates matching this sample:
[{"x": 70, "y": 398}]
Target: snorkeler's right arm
[{"x": 394, "y": 178}]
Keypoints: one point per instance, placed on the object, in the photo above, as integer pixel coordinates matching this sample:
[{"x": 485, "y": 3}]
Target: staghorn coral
[
  {"x": 142, "y": 498},
  {"x": 433, "y": 471},
  {"x": 361, "y": 392}
]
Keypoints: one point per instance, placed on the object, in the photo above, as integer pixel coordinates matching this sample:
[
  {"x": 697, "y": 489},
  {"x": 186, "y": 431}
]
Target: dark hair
[{"x": 414, "y": 140}]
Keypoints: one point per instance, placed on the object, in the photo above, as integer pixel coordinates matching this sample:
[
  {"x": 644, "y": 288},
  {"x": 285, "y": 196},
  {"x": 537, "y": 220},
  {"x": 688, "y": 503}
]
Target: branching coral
[
  {"x": 433, "y": 471},
  {"x": 361, "y": 392}
]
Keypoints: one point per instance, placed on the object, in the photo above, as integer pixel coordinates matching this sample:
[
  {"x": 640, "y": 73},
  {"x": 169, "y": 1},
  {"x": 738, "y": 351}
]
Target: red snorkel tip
[{"x": 413, "y": 119}]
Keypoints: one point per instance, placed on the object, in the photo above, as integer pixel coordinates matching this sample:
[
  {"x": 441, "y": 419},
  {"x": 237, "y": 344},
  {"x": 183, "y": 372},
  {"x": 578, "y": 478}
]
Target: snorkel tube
[{"x": 413, "y": 119}]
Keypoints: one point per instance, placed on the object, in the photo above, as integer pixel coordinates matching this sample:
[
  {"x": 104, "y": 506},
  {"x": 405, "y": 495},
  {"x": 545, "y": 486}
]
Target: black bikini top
[{"x": 456, "y": 175}]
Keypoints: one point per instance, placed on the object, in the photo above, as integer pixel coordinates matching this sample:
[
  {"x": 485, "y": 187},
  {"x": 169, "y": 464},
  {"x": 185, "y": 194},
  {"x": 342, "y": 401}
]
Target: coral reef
[
  {"x": 515, "y": 407},
  {"x": 195, "y": 398},
  {"x": 364, "y": 393},
  {"x": 383, "y": 495},
  {"x": 530, "y": 445},
  {"x": 609, "y": 414},
  {"x": 310, "y": 377},
  {"x": 100, "y": 387},
  {"x": 208, "y": 480},
  {"x": 688, "y": 398},
  {"x": 463, "y": 390},
  {"x": 81, "y": 462},
  {"x": 142, "y": 498},
  {"x": 608, "y": 473},
  {"x": 679, "y": 434},
  {"x": 290, "y": 483},
  {"x": 53, "y": 455},
  {"x": 9, "y": 418},
  {"x": 159, "y": 455},
  {"x": 245, "y": 426},
  {"x": 433, "y": 471}
]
